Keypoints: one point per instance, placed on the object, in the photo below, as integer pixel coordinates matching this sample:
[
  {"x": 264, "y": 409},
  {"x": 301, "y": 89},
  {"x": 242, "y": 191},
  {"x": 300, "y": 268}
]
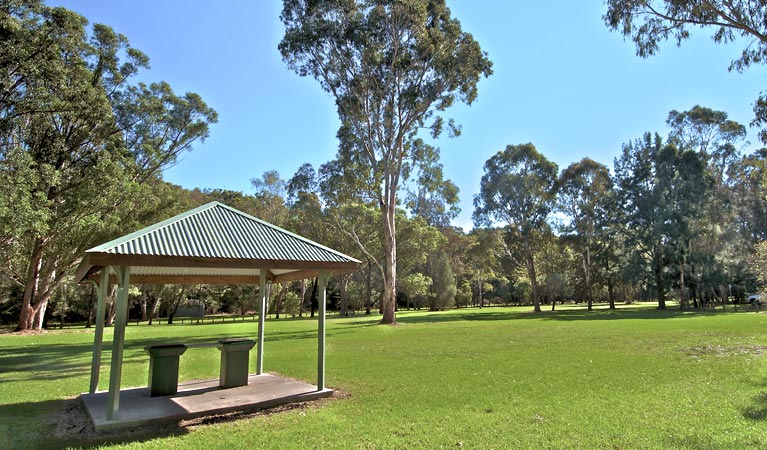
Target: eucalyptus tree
[
  {"x": 555, "y": 262},
  {"x": 482, "y": 258},
  {"x": 236, "y": 199},
  {"x": 271, "y": 197},
  {"x": 709, "y": 132},
  {"x": 392, "y": 66},
  {"x": 432, "y": 197},
  {"x": 583, "y": 192},
  {"x": 517, "y": 190},
  {"x": 650, "y": 22},
  {"x": 89, "y": 145},
  {"x": 351, "y": 214},
  {"x": 418, "y": 240}
]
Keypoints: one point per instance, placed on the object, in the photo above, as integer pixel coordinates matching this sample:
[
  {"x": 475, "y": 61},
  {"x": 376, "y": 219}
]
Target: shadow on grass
[
  {"x": 758, "y": 410},
  {"x": 56, "y": 361},
  {"x": 59, "y": 424},
  {"x": 46, "y": 362},
  {"x": 488, "y": 314}
]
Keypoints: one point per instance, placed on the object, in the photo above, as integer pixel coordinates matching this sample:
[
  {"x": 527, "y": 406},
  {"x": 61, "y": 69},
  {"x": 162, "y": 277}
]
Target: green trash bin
[
  {"x": 235, "y": 356},
  {"x": 163, "y": 368}
]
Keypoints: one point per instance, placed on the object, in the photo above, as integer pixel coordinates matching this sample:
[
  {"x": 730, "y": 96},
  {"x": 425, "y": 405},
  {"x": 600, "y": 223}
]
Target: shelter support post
[
  {"x": 321, "y": 332},
  {"x": 261, "y": 321},
  {"x": 102, "y": 287},
  {"x": 118, "y": 341}
]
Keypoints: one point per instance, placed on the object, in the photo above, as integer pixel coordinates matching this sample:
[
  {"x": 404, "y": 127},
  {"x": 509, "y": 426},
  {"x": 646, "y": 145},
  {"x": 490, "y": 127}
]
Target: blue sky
[{"x": 562, "y": 81}]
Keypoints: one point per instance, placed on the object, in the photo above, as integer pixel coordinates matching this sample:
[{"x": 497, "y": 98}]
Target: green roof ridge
[
  {"x": 159, "y": 225},
  {"x": 290, "y": 233},
  {"x": 151, "y": 228}
]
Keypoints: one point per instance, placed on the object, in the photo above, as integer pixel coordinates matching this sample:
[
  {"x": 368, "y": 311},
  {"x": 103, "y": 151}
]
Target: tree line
[{"x": 681, "y": 214}]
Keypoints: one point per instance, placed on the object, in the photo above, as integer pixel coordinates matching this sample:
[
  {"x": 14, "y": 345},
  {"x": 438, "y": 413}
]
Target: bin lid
[{"x": 164, "y": 350}]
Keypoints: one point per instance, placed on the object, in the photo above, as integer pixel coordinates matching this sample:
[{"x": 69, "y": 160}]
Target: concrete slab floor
[{"x": 197, "y": 399}]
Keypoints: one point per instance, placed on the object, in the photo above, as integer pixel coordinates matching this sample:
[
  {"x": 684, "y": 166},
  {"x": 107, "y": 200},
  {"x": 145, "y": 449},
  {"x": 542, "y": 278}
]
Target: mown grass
[{"x": 491, "y": 378}]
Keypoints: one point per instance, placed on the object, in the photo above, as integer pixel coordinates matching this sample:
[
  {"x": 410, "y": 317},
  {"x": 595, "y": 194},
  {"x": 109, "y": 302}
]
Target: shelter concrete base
[{"x": 197, "y": 399}]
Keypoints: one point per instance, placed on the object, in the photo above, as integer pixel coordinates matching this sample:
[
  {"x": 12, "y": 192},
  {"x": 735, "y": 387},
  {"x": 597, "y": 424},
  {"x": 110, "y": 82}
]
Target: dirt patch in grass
[
  {"x": 207, "y": 420},
  {"x": 751, "y": 351},
  {"x": 71, "y": 427}
]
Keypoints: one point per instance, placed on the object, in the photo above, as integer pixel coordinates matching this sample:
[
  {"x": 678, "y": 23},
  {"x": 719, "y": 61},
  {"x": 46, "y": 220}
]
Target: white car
[{"x": 755, "y": 300}]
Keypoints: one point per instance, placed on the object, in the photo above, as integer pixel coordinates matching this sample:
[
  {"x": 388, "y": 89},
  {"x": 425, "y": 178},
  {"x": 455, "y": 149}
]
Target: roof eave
[
  {"x": 111, "y": 259},
  {"x": 95, "y": 261}
]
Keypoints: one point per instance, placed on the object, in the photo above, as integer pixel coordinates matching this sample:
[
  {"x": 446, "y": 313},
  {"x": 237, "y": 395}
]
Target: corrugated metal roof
[{"x": 215, "y": 230}]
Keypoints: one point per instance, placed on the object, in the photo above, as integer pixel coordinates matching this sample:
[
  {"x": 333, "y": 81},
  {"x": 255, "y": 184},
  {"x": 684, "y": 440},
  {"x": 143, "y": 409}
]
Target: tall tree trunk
[
  {"x": 44, "y": 290},
  {"x": 30, "y": 287},
  {"x": 303, "y": 298},
  {"x": 724, "y": 294},
  {"x": 172, "y": 311},
  {"x": 610, "y": 294},
  {"x": 153, "y": 309},
  {"x": 111, "y": 311},
  {"x": 345, "y": 294},
  {"x": 530, "y": 263},
  {"x": 277, "y": 300},
  {"x": 369, "y": 289},
  {"x": 659, "y": 281},
  {"x": 587, "y": 277},
  {"x": 89, "y": 322},
  {"x": 143, "y": 301},
  {"x": 41, "y": 309},
  {"x": 479, "y": 288},
  {"x": 389, "y": 299},
  {"x": 683, "y": 301},
  {"x": 694, "y": 296},
  {"x": 314, "y": 301}
]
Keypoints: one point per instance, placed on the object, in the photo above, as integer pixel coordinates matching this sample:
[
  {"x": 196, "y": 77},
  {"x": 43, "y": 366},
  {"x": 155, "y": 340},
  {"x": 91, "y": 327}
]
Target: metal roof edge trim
[{"x": 103, "y": 259}]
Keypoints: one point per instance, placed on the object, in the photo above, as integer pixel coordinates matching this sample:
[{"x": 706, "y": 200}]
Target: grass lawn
[{"x": 491, "y": 378}]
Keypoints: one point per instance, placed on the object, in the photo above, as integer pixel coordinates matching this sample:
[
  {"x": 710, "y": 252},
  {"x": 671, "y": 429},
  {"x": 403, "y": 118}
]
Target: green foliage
[
  {"x": 650, "y": 22},
  {"x": 443, "y": 282},
  {"x": 758, "y": 263},
  {"x": 392, "y": 68},
  {"x": 584, "y": 192},
  {"x": 517, "y": 190},
  {"x": 271, "y": 193},
  {"x": 89, "y": 146},
  {"x": 662, "y": 191},
  {"x": 463, "y": 293},
  {"x": 291, "y": 303},
  {"x": 432, "y": 197},
  {"x": 417, "y": 287}
]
